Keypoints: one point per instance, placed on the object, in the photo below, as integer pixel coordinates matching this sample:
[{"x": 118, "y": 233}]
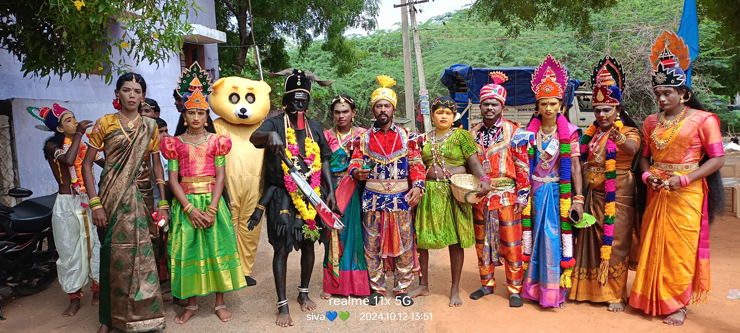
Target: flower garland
[
  {"x": 610, "y": 186},
  {"x": 76, "y": 176},
  {"x": 313, "y": 161},
  {"x": 566, "y": 262}
]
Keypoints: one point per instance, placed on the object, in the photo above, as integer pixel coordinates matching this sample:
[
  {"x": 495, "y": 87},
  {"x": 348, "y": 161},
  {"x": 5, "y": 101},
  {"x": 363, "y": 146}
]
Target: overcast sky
[{"x": 388, "y": 16}]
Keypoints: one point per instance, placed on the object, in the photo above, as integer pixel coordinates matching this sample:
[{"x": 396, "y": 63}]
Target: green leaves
[{"x": 57, "y": 38}]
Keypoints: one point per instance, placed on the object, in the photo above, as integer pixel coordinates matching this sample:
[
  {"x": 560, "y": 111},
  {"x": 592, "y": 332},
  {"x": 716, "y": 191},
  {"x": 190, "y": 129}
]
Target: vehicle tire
[{"x": 38, "y": 283}]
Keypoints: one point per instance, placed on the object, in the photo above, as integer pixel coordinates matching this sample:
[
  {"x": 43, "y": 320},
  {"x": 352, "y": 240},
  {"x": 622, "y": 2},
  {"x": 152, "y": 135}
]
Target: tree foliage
[
  {"x": 526, "y": 15},
  {"x": 625, "y": 31},
  {"x": 276, "y": 22},
  {"x": 83, "y": 37}
]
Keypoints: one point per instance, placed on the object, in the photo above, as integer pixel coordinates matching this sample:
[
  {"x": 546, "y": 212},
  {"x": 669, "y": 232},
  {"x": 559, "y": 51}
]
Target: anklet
[
  {"x": 280, "y": 304},
  {"x": 302, "y": 290}
]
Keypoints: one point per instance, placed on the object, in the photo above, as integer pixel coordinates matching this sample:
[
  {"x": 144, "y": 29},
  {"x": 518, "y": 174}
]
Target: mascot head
[{"x": 240, "y": 101}]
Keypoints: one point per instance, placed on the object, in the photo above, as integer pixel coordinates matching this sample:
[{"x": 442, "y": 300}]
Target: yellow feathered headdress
[{"x": 384, "y": 92}]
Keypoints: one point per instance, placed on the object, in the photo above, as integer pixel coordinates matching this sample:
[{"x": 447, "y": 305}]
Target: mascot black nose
[{"x": 243, "y": 110}]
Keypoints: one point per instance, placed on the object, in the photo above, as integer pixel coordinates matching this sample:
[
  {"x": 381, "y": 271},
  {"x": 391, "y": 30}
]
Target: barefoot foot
[
  {"x": 74, "y": 306},
  {"x": 421, "y": 290},
  {"x": 96, "y": 299},
  {"x": 616, "y": 307},
  {"x": 185, "y": 315},
  {"x": 306, "y": 303},
  {"x": 562, "y": 305},
  {"x": 223, "y": 314},
  {"x": 677, "y": 318},
  {"x": 103, "y": 329},
  {"x": 283, "y": 318},
  {"x": 455, "y": 300},
  {"x": 325, "y": 295}
]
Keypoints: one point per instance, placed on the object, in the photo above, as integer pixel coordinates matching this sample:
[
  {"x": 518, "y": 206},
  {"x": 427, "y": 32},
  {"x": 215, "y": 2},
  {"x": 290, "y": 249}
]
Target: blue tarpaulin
[{"x": 518, "y": 87}]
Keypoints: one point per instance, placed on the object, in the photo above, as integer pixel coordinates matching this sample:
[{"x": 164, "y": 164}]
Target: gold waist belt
[
  {"x": 595, "y": 169},
  {"x": 676, "y": 167},
  {"x": 197, "y": 179},
  {"x": 547, "y": 179},
  {"x": 392, "y": 186},
  {"x": 502, "y": 184},
  {"x": 341, "y": 174}
]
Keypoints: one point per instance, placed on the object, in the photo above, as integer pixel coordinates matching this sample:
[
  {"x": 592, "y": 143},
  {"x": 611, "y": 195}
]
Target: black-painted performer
[{"x": 292, "y": 222}]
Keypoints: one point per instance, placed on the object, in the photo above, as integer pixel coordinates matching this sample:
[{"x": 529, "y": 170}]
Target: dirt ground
[{"x": 254, "y": 307}]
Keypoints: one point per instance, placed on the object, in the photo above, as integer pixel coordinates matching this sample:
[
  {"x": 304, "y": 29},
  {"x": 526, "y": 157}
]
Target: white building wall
[{"x": 89, "y": 99}]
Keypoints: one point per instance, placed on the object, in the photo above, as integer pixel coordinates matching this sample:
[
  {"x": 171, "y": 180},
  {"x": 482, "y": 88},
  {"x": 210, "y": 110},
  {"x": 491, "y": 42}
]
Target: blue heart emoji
[{"x": 331, "y": 315}]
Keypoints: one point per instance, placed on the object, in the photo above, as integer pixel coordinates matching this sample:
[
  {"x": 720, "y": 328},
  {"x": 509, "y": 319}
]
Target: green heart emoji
[{"x": 344, "y": 315}]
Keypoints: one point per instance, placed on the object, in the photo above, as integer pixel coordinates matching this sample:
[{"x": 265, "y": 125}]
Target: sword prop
[{"x": 322, "y": 210}]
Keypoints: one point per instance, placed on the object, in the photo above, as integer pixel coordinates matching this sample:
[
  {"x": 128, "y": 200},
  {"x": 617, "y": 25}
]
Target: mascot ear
[
  {"x": 265, "y": 86},
  {"x": 218, "y": 83}
]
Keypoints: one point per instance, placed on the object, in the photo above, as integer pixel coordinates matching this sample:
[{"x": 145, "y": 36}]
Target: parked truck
[{"x": 464, "y": 83}]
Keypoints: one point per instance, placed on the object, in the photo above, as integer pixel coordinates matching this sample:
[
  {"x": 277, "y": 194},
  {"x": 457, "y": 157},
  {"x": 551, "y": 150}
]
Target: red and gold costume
[
  {"x": 502, "y": 150},
  {"x": 388, "y": 231}
]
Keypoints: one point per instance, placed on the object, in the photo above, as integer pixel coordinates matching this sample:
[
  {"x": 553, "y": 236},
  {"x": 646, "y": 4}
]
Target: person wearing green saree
[
  {"x": 441, "y": 220},
  {"x": 130, "y": 297}
]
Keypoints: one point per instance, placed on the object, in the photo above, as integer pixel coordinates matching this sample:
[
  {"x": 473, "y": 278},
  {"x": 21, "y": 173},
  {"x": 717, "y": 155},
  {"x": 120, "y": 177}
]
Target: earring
[
  {"x": 205, "y": 124},
  {"x": 685, "y": 100},
  {"x": 536, "y": 114},
  {"x": 185, "y": 123}
]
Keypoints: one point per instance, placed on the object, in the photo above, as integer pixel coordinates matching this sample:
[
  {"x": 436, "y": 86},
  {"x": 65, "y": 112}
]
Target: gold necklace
[
  {"x": 661, "y": 144},
  {"x": 194, "y": 133},
  {"x": 668, "y": 123},
  {"x": 130, "y": 122},
  {"x": 341, "y": 136},
  {"x": 541, "y": 136}
]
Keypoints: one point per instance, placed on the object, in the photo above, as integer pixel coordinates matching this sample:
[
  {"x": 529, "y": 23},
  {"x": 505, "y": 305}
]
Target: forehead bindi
[{"x": 131, "y": 85}]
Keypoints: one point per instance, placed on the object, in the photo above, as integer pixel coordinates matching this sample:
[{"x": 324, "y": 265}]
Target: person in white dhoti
[{"x": 74, "y": 234}]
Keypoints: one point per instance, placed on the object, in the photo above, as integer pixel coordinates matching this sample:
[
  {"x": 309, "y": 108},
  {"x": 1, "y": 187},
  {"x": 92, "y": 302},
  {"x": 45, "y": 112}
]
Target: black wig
[{"x": 131, "y": 76}]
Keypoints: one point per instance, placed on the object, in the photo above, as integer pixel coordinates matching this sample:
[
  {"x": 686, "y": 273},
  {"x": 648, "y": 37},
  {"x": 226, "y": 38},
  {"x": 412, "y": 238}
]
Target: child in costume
[
  {"x": 608, "y": 149},
  {"x": 441, "y": 220},
  {"x": 547, "y": 238},
  {"x": 75, "y": 236},
  {"x": 201, "y": 243}
]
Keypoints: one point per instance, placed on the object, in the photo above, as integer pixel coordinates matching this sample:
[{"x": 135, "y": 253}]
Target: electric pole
[
  {"x": 423, "y": 93},
  {"x": 408, "y": 70},
  {"x": 408, "y": 74}
]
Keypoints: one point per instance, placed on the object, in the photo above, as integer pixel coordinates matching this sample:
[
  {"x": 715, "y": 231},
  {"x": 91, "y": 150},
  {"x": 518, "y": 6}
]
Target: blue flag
[{"x": 689, "y": 31}]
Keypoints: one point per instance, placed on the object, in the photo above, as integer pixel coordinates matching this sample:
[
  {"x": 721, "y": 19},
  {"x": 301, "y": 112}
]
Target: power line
[{"x": 561, "y": 35}]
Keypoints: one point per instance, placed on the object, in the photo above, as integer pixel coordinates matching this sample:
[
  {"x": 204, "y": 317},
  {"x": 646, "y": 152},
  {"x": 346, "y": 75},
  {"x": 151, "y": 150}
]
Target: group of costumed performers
[
  {"x": 201, "y": 244},
  {"x": 441, "y": 220},
  {"x": 292, "y": 222},
  {"x": 502, "y": 148},
  {"x": 680, "y": 162},
  {"x": 130, "y": 297},
  {"x": 529, "y": 197},
  {"x": 547, "y": 237},
  {"x": 391, "y": 166},
  {"x": 75, "y": 236},
  {"x": 345, "y": 271},
  {"x": 608, "y": 149}
]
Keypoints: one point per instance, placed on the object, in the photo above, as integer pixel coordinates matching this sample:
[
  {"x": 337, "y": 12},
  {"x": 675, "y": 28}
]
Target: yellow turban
[{"x": 384, "y": 92}]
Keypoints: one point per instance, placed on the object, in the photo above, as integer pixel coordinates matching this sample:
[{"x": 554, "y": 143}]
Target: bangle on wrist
[
  {"x": 645, "y": 176},
  {"x": 95, "y": 208},
  {"x": 486, "y": 179}
]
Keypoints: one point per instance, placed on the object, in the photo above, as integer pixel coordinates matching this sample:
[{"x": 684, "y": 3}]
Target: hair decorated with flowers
[{"x": 566, "y": 262}]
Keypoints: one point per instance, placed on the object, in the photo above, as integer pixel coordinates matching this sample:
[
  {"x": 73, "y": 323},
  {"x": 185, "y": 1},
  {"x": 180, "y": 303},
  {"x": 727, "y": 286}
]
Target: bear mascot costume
[{"x": 242, "y": 104}]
